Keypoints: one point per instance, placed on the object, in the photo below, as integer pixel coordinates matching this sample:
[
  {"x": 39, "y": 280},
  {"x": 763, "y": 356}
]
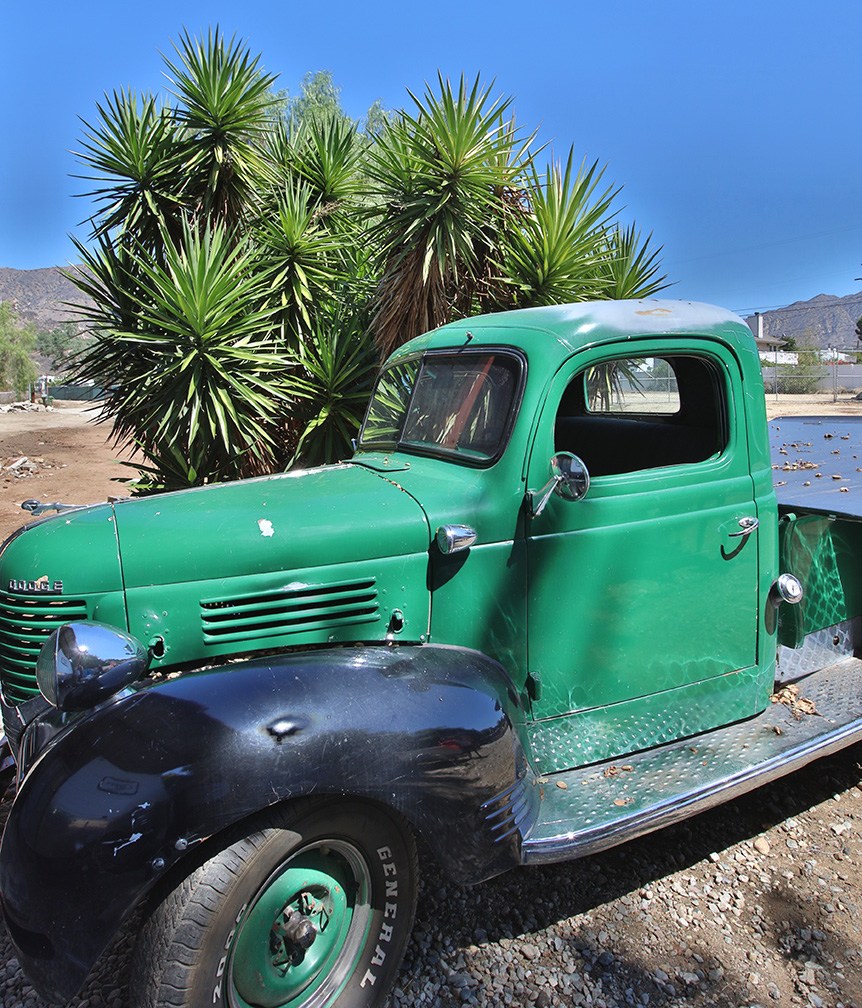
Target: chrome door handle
[{"x": 746, "y": 527}]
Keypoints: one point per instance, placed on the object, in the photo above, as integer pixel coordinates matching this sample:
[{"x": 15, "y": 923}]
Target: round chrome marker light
[
  {"x": 81, "y": 664},
  {"x": 786, "y": 588}
]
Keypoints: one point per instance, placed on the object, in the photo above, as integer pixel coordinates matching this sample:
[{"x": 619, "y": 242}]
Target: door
[{"x": 642, "y": 599}]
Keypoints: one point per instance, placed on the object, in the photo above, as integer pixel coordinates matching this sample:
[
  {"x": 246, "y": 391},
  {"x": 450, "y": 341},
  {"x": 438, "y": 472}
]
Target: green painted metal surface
[
  {"x": 639, "y": 596},
  {"x": 593, "y": 735},
  {"x": 823, "y": 553},
  {"x": 353, "y": 601},
  {"x": 267, "y": 970},
  {"x": 63, "y": 568},
  {"x": 315, "y": 557},
  {"x": 477, "y": 596},
  {"x": 643, "y": 593},
  {"x": 318, "y": 517},
  {"x": 637, "y": 566},
  {"x": 638, "y": 599}
]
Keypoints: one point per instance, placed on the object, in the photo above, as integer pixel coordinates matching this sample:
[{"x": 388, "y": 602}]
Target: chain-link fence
[
  {"x": 834, "y": 373},
  {"x": 77, "y": 393},
  {"x": 38, "y": 393}
]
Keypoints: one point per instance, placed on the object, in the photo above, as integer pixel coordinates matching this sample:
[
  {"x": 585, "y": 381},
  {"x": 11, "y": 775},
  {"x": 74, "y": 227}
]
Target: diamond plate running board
[{"x": 592, "y": 808}]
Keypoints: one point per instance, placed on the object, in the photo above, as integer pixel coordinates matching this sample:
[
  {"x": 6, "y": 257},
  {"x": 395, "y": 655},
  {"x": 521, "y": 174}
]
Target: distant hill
[
  {"x": 832, "y": 321},
  {"x": 38, "y": 295}
]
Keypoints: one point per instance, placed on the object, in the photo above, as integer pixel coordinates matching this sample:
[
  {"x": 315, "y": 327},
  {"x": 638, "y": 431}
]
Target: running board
[{"x": 592, "y": 808}]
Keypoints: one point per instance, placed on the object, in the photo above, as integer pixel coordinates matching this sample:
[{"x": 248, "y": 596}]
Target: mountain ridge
[
  {"x": 40, "y": 296},
  {"x": 825, "y": 320}
]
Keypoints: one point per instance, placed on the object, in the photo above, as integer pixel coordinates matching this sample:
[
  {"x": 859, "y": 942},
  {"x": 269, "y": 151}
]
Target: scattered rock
[
  {"x": 25, "y": 407},
  {"x": 23, "y": 466}
]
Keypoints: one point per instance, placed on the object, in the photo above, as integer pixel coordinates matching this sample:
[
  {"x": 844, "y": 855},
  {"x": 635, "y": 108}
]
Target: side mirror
[{"x": 569, "y": 480}]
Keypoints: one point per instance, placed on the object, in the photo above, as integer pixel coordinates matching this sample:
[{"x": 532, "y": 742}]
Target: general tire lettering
[{"x": 187, "y": 944}]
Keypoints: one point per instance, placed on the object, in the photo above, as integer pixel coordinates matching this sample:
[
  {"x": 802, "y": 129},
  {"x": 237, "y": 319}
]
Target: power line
[
  {"x": 779, "y": 310},
  {"x": 764, "y": 245}
]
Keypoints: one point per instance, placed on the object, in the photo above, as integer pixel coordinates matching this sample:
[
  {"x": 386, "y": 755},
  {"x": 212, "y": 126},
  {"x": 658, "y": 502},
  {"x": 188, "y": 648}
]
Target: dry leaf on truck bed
[
  {"x": 612, "y": 771},
  {"x": 789, "y": 696}
]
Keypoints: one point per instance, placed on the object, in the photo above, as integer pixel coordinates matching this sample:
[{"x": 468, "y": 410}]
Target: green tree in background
[
  {"x": 17, "y": 371},
  {"x": 320, "y": 99},
  {"x": 56, "y": 344},
  {"x": 805, "y": 375},
  {"x": 253, "y": 254},
  {"x": 62, "y": 345}
]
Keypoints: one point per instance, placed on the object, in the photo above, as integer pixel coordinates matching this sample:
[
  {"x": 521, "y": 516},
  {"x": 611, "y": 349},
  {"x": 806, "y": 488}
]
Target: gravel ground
[
  {"x": 754, "y": 903},
  {"x": 758, "y": 902}
]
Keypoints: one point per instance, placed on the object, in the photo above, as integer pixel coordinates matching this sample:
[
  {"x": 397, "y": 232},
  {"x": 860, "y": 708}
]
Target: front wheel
[{"x": 311, "y": 906}]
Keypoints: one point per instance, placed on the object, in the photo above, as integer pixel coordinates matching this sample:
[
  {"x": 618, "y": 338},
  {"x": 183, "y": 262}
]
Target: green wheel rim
[{"x": 329, "y": 884}]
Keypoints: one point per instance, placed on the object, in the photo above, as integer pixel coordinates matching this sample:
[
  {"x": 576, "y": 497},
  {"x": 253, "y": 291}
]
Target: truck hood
[
  {"x": 313, "y": 518},
  {"x": 75, "y": 549}
]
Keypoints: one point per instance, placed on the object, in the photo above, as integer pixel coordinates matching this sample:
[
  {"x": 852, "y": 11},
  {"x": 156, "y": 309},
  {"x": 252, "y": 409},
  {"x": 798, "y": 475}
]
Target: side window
[
  {"x": 632, "y": 386},
  {"x": 633, "y": 413}
]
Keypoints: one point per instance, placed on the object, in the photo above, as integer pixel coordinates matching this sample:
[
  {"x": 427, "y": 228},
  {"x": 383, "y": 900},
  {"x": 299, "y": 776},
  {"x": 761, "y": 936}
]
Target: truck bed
[{"x": 817, "y": 464}]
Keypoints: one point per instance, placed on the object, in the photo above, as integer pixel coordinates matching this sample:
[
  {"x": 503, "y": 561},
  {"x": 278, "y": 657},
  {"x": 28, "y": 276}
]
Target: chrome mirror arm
[
  {"x": 539, "y": 498},
  {"x": 569, "y": 479}
]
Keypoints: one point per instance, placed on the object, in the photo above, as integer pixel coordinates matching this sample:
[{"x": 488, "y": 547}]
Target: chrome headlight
[{"x": 81, "y": 664}]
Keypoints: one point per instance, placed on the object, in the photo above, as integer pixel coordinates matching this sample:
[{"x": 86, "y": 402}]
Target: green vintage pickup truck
[{"x": 556, "y": 554}]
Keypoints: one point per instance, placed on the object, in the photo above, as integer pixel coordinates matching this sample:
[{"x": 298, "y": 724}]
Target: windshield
[{"x": 453, "y": 404}]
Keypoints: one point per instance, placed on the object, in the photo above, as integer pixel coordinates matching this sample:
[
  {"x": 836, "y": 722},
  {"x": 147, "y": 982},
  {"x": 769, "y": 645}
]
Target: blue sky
[{"x": 733, "y": 126}]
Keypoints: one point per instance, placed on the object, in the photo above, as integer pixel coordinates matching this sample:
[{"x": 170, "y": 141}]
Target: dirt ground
[{"x": 68, "y": 459}]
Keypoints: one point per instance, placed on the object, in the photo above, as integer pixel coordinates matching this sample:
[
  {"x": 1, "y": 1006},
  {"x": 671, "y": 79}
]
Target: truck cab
[{"x": 629, "y": 630}]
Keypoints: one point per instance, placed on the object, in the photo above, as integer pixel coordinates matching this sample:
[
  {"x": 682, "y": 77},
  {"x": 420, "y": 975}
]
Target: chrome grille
[
  {"x": 294, "y": 609},
  {"x": 25, "y": 622}
]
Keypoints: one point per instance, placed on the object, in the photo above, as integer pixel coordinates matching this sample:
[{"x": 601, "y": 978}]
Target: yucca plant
[
  {"x": 308, "y": 261},
  {"x": 556, "y": 251},
  {"x": 439, "y": 177},
  {"x": 325, "y": 155},
  {"x": 605, "y": 383},
  {"x": 243, "y": 259},
  {"x": 337, "y": 365},
  {"x": 170, "y": 468},
  {"x": 196, "y": 368},
  {"x": 138, "y": 158},
  {"x": 631, "y": 267},
  {"x": 223, "y": 114}
]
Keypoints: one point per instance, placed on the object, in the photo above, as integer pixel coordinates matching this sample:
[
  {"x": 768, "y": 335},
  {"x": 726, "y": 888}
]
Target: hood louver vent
[{"x": 294, "y": 609}]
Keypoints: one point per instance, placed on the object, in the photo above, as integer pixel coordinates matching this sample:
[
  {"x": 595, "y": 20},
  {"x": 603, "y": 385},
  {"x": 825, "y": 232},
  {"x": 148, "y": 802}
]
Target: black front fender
[{"x": 123, "y": 794}]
